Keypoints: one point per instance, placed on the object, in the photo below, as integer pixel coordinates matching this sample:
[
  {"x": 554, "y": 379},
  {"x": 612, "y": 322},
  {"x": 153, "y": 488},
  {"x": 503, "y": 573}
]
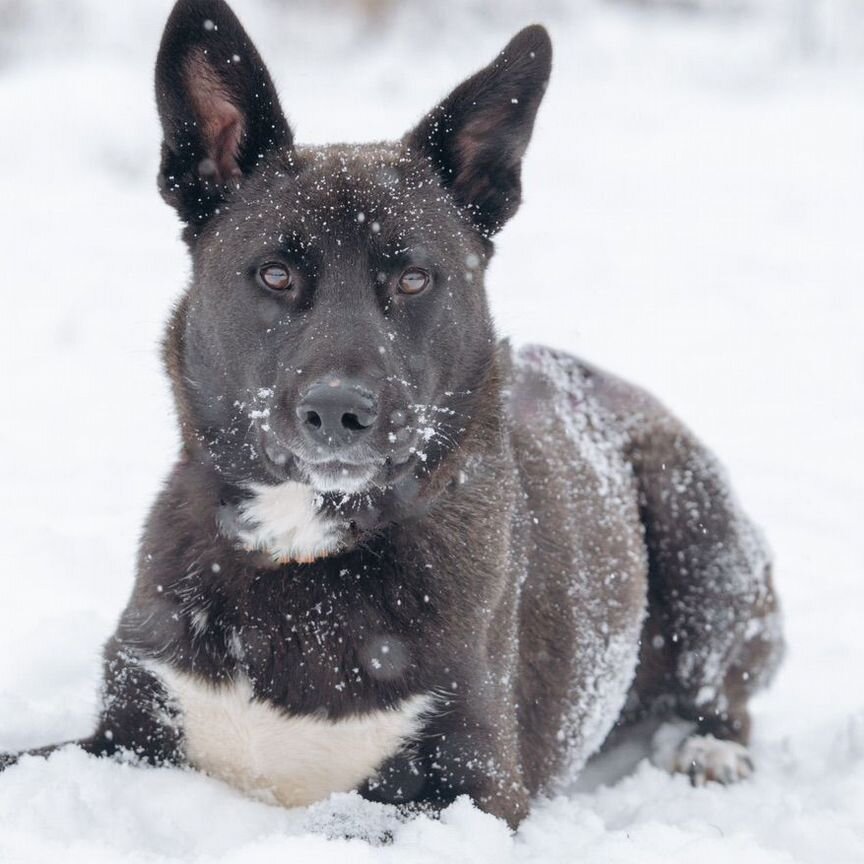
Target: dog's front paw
[{"x": 705, "y": 759}]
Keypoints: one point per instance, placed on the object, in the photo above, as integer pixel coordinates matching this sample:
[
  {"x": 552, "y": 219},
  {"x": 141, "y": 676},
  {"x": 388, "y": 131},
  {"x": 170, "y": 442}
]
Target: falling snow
[{"x": 692, "y": 219}]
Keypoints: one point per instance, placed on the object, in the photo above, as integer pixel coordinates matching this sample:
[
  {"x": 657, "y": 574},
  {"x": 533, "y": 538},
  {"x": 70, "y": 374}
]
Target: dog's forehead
[
  {"x": 373, "y": 185},
  {"x": 353, "y": 170},
  {"x": 348, "y": 191},
  {"x": 361, "y": 200}
]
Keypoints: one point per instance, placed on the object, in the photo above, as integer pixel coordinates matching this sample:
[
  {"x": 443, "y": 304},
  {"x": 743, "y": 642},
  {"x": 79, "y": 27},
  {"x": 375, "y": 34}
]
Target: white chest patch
[
  {"x": 296, "y": 760},
  {"x": 284, "y": 521}
]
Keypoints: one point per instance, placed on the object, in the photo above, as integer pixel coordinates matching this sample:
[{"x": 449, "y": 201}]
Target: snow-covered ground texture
[{"x": 694, "y": 219}]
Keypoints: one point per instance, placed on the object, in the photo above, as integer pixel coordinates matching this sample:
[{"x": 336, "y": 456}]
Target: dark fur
[{"x": 556, "y": 520}]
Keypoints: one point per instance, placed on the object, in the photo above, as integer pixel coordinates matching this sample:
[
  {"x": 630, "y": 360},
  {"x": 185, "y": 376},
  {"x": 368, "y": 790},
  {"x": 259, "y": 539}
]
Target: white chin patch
[{"x": 285, "y": 522}]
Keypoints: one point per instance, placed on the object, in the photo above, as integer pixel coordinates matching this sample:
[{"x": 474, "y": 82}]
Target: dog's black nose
[{"x": 337, "y": 412}]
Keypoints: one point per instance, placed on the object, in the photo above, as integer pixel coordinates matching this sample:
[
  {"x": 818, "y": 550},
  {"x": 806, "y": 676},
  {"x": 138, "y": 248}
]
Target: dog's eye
[
  {"x": 276, "y": 277},
  {"x": 413, "y": 281}
]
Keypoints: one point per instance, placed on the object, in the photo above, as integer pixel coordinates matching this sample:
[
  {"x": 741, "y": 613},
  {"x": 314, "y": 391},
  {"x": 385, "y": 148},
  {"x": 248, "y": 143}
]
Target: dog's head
[{"x": 336, "y": 330}]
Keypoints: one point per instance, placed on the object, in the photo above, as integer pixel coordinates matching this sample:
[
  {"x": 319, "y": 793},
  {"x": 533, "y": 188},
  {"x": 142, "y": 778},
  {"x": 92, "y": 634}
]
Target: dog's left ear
[
  {"x": 476, "y": 137},
  {"x": 219, "y": 109}
]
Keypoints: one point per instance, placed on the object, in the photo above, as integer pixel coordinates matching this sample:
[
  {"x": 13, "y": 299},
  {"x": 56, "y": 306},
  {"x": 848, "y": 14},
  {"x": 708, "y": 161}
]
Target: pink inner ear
[{"x": 220, "y": 122}]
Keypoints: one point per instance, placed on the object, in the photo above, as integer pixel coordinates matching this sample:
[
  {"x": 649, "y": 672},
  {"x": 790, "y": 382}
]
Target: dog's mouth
[{"x": 338, "y": 474}]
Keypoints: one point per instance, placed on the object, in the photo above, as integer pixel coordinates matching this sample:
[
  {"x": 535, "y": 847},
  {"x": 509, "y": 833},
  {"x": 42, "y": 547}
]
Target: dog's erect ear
[
  {"x": 477, "y": 136},
  {"x": 218, "y": 107}
]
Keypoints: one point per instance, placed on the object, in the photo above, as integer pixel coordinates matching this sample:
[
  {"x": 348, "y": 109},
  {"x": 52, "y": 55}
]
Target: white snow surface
[{"x": 693, "y": 219}]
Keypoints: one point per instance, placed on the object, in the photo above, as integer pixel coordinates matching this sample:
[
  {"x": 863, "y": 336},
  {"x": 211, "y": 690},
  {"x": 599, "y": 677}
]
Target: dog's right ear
[{"x": 219, "y": 110}]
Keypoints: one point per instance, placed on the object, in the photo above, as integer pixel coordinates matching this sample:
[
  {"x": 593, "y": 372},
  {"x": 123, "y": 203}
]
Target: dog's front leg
[
  {"x": 457, "y": 754},
  {"x": 136, "y": 719},
  {"x": 467, "y": 755}
]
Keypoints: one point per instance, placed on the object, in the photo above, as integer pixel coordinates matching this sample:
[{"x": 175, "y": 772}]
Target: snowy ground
[{"x": 694, "y": 219}]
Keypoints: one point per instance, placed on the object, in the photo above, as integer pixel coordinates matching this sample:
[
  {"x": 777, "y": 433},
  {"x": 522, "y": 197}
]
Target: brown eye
[
  {"x": 276, "y": 277},
  {"x": 413, "y": 281}
]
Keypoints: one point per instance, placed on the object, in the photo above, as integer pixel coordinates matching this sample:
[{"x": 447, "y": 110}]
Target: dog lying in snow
[{"x": 395, "y": 555}]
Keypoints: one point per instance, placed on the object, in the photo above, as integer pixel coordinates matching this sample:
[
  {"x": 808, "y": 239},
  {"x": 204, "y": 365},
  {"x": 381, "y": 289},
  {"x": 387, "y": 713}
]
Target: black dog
[{"x": 393, "y": 555}]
